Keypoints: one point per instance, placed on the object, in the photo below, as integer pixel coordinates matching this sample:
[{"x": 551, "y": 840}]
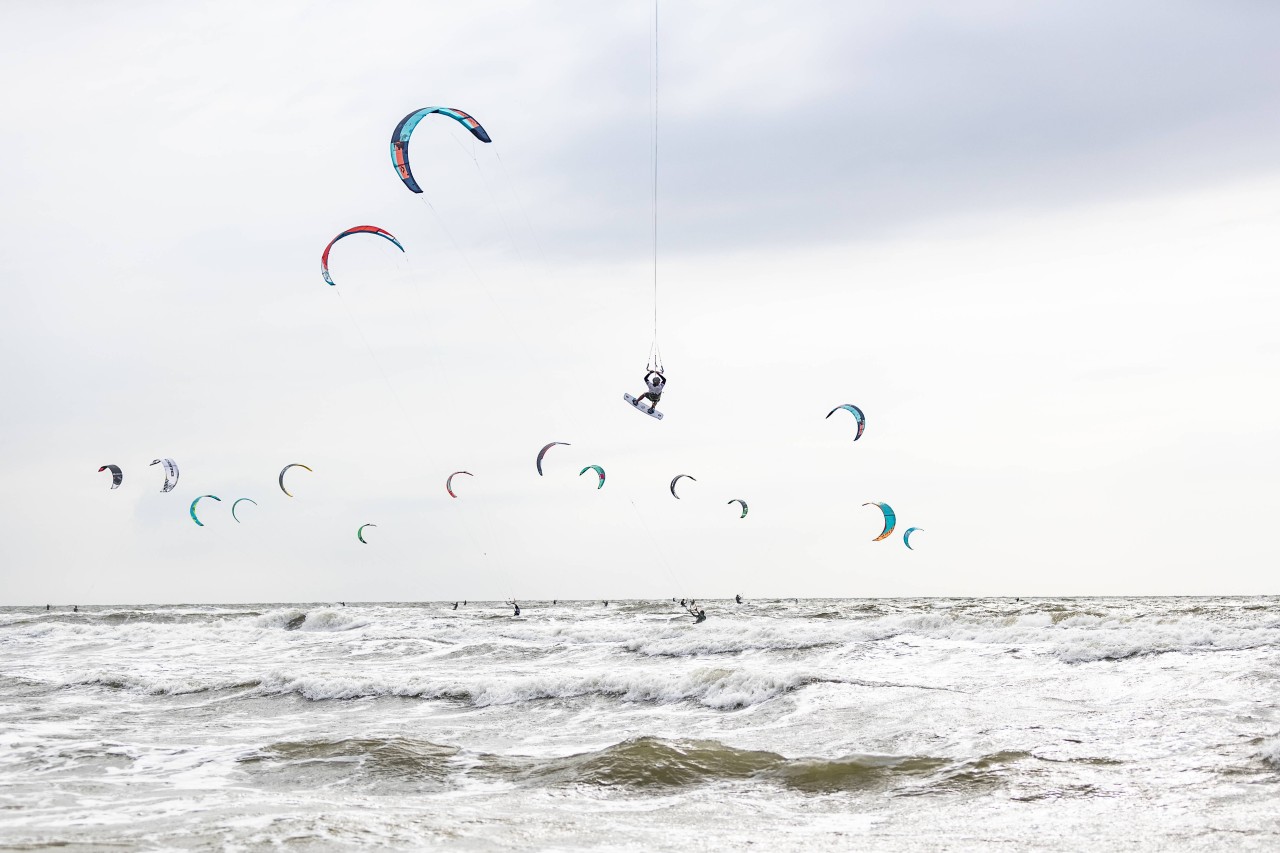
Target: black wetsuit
[{"x": 700, "y": 617}]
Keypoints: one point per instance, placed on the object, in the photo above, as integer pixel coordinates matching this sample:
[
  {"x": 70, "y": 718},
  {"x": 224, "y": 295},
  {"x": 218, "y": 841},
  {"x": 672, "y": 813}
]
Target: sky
[{"x": 1035, "y": 243}]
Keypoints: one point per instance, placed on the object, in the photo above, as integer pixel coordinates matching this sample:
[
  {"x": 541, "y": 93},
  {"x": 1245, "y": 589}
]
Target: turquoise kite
[
  {"x": 400, "y": 138},
  {"x": 889, "y": 519},
  {"x": 359, "y": 229},
  {"x": 193, "y": 507},
  {"x": 360, "y": 532},
  {"x": 237, "y": 503},
  {"x": 856, "y": 412},
  {"x": 599, "y": 473},
  {"x": 744, "y": 506},
  {"x": 906, "y": 537}
]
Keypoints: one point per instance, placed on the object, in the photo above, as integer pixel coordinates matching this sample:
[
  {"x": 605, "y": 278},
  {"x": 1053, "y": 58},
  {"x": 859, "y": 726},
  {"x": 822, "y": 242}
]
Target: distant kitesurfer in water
[
  {"x": 682, "y": 602},
  {"x": 654, "y": 381},
  {"x": 700, "y": 616},
  {"x": 517, "y": 607},
  {"x": 47, "y": 607},
  {"x": 606, "y": 604},
  {"x": 75, "y": 608},
  {"x": 555, "y": 601},
  {"x": 455, "y": 605},
  {"x": 738, "y": 598}
]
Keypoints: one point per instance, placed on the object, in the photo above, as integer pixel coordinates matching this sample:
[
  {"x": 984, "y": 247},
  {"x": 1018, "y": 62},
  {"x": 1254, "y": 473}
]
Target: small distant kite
[
  {"x": 448, "y": 484},
  {"x": 193, "y": 507},
  {"x": 599, "y": 473},
  {"x": 889, "y": 519},
  {"x": 117, "y": 476},
  {"x": 360, "y": 532},
  {"x": 906, "y": 537},
  {"x": 286, "y": 468},
  {"x": 675, "y": 480},
  {"x": 359, "y": 229},
  {"x": 237, "y": 503},
  {"x": 744, "y": 506},
  {"x": 170, "y": 473},
  {"x": 856, "y": 412},
  {"x": 543, "y": 452}
]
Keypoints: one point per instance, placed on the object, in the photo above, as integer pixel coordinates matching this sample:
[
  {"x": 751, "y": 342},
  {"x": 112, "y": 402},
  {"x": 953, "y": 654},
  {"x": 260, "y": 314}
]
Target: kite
[
  {"x": 543, "y": 452},
  {"x": 676, "y": 479},
  {"x": 400, "y": 138},
  {"x": 237, "y": 502},
  {"x": 448, "y": 484},
  {"x": 359, "y": 229},
  {"x": 117, "y": 476},
  {"x": 170, "y": 473},
  {"x": 744, "y": 506},
  {"x": 286, "y": 468},
  {"x": 856, "y": 412},
  {"x": 889, "y": 519},
  {"x": 193, "y": 507},
  {"x": 599, "y": 473}
]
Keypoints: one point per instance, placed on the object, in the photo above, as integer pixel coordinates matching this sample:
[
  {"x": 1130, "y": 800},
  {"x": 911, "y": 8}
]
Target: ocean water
[{"x": 906, "y": 724}]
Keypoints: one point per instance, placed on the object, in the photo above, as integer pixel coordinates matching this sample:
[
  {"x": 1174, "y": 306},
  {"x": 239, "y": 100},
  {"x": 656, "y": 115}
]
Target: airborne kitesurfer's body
[{"x": 655, "y": 382}]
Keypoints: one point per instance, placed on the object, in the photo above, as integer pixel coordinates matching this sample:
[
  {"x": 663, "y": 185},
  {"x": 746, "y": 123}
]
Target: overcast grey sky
[{"x": 1033, "y": 241}]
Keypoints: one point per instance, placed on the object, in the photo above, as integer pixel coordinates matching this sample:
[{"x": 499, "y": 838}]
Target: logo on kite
[
  {"x": 599, "y": 473},
  {"x": 400, "y": 138},
  {"x": 359, "y": 229},
  {"x": 856, "y": 412},
  {"x": 117, "y": 476}
]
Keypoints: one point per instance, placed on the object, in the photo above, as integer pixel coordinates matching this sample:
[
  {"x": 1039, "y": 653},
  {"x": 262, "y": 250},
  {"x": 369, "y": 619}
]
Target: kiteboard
[{"x": 641, "y": 407}]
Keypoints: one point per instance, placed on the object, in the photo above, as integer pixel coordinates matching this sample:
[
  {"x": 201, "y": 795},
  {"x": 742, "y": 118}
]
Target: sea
[{"x": 779, "y": 724}]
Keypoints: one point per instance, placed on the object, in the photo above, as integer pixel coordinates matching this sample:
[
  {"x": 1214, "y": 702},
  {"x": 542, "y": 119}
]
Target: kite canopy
[
  {"x": 889, "y": 519},
  {"x": 448, "y": 484},
  {"x": 543, "y": 452},
  {"x": 193, "y": 507},
  {"x": 599, "y": 473},
  {"x": 117, "y": 476},
  {"x": 170, "y": 473},
  {"x": 237, "y": 503},
  {"x": 675, "y": 480},
  {"x": 286, "y": 468},
  {"x": 856, "y": 412},
  {"x": 744, "y": 506},
  {"x": 400, "y": 138},
  {"x": 359, "y": 229},
  {"x": 360, "y": 532},
  {"x": 906, "y": 537}
]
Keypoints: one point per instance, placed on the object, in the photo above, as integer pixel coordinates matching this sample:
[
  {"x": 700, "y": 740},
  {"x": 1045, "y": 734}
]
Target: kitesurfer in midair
[{"x": 655, "y": 382}]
